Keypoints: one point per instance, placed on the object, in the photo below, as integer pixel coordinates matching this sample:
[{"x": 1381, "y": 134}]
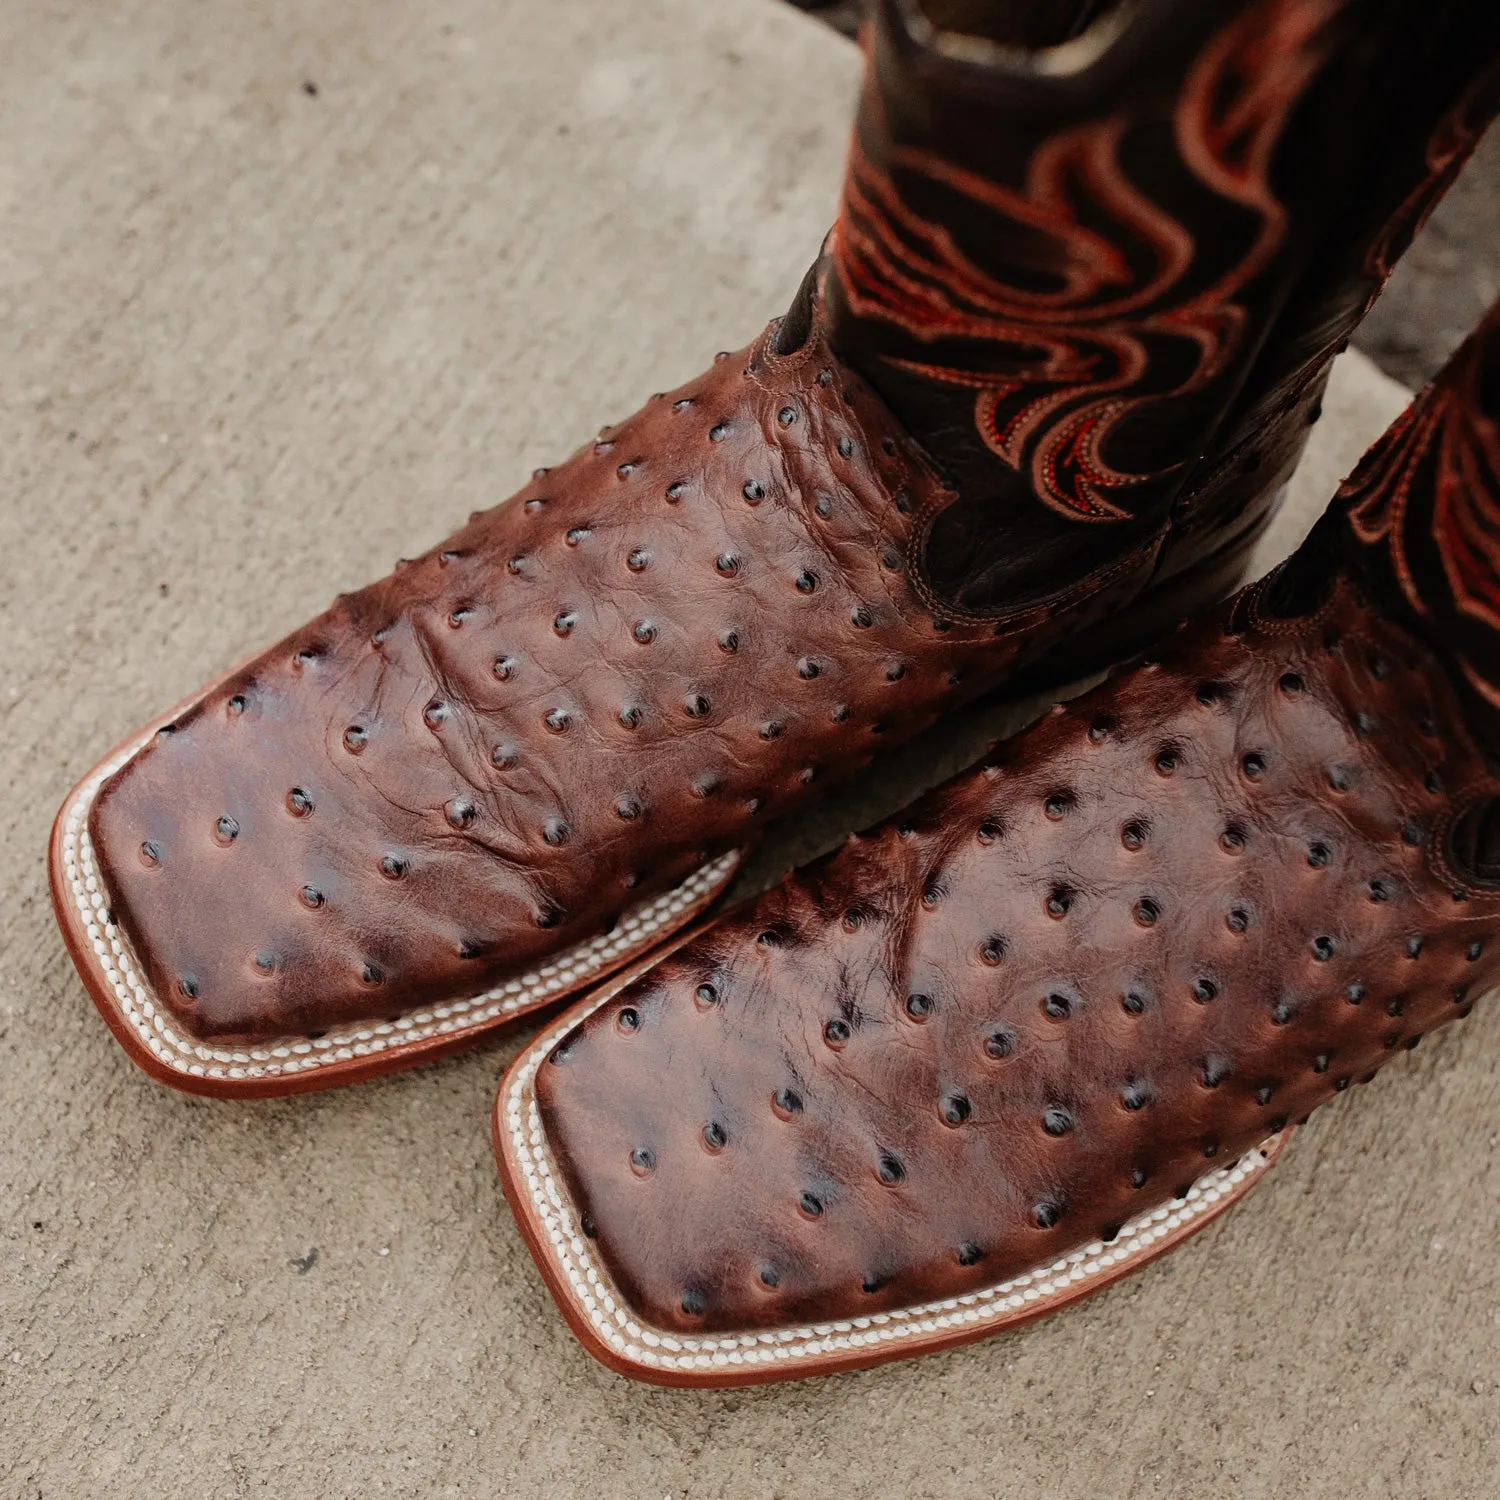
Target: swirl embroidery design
[
  {"x": 1437, "y": 473},
  {"x": 1135, "y": 315}
]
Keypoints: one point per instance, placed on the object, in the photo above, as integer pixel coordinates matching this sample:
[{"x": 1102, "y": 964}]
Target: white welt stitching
[
  {"x": 634, "y": 1341},
  {"x": 635, "y": 932}
]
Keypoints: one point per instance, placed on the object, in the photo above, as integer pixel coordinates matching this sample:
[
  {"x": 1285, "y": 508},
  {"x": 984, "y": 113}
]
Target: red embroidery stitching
[
  {"x": 1437, "y": 473},
  {"x": 1082, "y": 360}
]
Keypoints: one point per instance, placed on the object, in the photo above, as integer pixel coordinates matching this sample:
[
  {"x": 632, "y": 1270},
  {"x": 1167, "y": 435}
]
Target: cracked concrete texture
[{"x": 256, "y": 340}]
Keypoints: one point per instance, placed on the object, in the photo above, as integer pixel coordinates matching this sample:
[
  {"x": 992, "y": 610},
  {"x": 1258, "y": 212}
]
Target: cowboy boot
[
  {"x": 1069, "y": 1007},
  {"x": 527, "y": 757}
]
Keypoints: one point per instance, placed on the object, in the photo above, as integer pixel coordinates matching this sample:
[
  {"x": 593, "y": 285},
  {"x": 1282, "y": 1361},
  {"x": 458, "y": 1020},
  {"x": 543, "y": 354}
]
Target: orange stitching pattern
[{"x": 1081, "y": 351}]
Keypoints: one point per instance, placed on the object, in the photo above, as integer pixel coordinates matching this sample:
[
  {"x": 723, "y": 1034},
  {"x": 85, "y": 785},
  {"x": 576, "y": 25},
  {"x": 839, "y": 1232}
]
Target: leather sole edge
[{"x": 102, "y": 953}]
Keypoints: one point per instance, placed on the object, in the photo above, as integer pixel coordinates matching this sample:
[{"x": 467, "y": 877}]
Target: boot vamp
[
  {"x": 1160, "y": 925},
  {"x": 685, "y": 629}
]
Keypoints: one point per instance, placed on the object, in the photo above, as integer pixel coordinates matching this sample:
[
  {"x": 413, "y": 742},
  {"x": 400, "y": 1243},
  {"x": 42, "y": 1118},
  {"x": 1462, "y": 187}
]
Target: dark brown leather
[
  {"x": 1424, "y": 510},
  {"x": 1166, "y": 920},
  {"x": 1105, "y": 286},
  {"x": 688, "y": 628}
]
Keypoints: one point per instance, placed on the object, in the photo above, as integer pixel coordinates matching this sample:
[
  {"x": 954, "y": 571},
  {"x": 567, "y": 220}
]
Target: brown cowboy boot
[
  {"x": 527, "y": 757},
  {"x": 1066, "y": 1009}
]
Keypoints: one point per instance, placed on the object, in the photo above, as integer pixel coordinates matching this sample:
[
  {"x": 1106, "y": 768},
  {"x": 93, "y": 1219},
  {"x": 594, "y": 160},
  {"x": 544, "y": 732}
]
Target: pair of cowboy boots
[{"x": 1033, "y": 406}]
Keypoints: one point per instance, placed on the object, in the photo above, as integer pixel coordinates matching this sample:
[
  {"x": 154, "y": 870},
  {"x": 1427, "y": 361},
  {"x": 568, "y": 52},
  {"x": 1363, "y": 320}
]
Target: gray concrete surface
[{"x": 256, "y": 341}]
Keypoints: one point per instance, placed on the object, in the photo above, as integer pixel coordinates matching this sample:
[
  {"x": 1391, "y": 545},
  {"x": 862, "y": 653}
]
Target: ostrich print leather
[
  {"x": 1147, "y": 934},
  {"x": 687, "y": 628}
]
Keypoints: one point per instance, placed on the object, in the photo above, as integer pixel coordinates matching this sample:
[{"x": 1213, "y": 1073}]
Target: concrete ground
[{"x": 285, "y": 291}]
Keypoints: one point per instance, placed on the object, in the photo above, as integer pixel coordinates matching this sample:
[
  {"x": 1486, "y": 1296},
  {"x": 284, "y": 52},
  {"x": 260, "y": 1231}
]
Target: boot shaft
[
  {"x": 1103, "y": 281},
  {"x": 1421, "y": 515}
]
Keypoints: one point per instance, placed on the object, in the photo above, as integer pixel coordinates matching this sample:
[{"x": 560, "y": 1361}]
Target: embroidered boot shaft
[{"x": 1103, "y": 282}]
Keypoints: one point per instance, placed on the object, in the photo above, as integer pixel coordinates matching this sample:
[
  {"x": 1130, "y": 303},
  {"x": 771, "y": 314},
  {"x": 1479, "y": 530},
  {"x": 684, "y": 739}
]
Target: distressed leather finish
[
  {"x": 686, "y": 629},
  {"x": 1168, "y": 919}
]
